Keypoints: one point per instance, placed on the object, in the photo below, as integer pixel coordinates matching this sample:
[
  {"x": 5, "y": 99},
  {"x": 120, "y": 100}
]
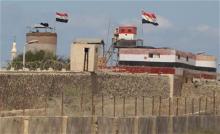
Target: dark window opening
[
  {"x": 86, "y": 50},
  {"x": 129, "y": 30},
  {"x": 86, "y": 59},
  {"x": 178, "y": 57},
  {"x": 186, "y": 80},
  {"x": 151, "y": 55},
  {"x": 187, "y": 58}
]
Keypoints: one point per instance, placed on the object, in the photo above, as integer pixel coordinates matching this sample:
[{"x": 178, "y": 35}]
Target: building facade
[
  {"x": 166, "y": 61},
  {"x": 135, "y": 58},
  {"x": 84, "y": 55}
]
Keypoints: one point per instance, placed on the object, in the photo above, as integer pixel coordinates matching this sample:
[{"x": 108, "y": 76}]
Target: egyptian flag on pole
[
  {"x": 61, "y": 17},
  {"x": 148, "y": 17}
]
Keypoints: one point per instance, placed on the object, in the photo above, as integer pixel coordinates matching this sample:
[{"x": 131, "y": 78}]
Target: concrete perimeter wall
[
  {"x": 110, "y": 125},
  {"x": 17, "y": 87}
]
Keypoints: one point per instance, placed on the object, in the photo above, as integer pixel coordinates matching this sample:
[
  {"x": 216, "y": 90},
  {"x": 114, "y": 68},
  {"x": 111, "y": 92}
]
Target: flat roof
[
  {"x": 89, "y": 41},
  {"x": 150, "y": 47},
  {"x": 41, "y": 34}
]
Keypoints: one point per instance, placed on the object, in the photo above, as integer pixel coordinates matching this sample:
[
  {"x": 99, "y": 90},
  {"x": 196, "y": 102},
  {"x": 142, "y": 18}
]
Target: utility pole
[
  {"x": 0, "y": 56},
  {"x": 24, "y": 51}
]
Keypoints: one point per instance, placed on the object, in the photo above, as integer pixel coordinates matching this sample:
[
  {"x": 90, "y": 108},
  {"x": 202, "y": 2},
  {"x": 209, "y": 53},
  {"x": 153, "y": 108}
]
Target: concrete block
[
  {"x": 146, "y": 125},
  {"x": 162, "y": 124},
  {"x": 180, "y": 125},
  {"x": 105, "y": 125},
  {"x": 208, "y": 123},
  {"x": 217, "y": 124},
  {"x": 79, "y": 125},
  {"x": 45, "y": 125},
  {"x": 126, "y": 125},
  {"x": 194, "y": 123},
  {"x": 11, "y": 125},
  {"x": 205, "y": 123}
]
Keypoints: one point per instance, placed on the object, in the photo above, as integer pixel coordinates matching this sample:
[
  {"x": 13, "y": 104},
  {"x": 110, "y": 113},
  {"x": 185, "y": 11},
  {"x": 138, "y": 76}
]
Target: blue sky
[{"x": 185, "y": 25}]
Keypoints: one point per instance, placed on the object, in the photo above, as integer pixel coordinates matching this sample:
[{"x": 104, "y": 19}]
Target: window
[
  {"x": 86, "y": 50},
  {"x": 129, "y": 30},
  {"x": 86, "y": 59},
  {"x": 187, "y": 58},
  {"x": 122, "y": 30},
  {"x": 178, "y": 57},
  {"x": 151, "y": 55}
]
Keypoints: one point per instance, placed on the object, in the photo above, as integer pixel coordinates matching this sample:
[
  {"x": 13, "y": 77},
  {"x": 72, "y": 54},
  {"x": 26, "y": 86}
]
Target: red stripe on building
[
  {"x": 128, "y": 30},
  {"x": 205, "y": 76},
  {"x": 152, "y": 70},
  {"x": 162, "y": 70}
]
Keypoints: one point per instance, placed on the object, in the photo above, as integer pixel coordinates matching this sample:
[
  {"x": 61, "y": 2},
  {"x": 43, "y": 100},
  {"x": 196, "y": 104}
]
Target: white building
[
  {"x": 13, "y": 51},
  {"x": 166, "y": 57},
  {"x": 167, "y": 61}
]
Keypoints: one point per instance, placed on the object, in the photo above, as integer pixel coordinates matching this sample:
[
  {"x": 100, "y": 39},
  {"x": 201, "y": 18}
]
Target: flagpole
[
  {"x": 107, "y": 40},
  {"x": 0, "y": 55},
  {"x": 55, "y": 24},
  {"x": 142, "y": 29}
]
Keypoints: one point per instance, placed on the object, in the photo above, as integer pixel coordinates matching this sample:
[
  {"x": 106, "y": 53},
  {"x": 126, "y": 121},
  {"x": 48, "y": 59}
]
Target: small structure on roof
[
  {"x": 84, "y": 54},
  {"x": 125, "y": 36}
]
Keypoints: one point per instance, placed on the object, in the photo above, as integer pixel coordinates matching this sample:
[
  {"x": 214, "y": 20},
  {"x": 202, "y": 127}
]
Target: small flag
[
  {"x": 149, "y": 18},
  {"x": 62, "y": 17}
]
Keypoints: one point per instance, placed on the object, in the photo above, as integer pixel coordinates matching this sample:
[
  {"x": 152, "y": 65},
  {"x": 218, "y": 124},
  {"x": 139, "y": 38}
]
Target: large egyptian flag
[
  {"x": 148, "y": 17},
  {"x": 61, "y": 17}
]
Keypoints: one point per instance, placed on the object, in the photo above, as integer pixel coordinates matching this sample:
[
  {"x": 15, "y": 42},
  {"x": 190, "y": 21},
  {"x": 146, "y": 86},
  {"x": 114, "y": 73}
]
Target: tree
[{"x": 40, "y": 59}]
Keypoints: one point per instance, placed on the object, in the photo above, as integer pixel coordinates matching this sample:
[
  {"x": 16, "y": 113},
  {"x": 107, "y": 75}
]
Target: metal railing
[{"x": 103, "y": 105}]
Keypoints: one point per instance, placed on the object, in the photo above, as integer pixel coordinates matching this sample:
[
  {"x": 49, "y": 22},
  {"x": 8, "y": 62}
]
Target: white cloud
[
  {"x": 207, "y": 30},
  {"x": 85, "y": 25},
  {"x": 164, "y": 23},
  {"x": 203, "y": 28},
  {"x": 131, "y": 21},
  {"x": 90, "y": 21}
]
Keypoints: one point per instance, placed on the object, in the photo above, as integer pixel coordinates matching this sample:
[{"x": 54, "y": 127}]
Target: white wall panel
[
  {"x": 201, "y": 63},
  {"x": 127, "y": 36},
  {"x": 183, "y": 60},
  {"x": 141, "y": 57}
]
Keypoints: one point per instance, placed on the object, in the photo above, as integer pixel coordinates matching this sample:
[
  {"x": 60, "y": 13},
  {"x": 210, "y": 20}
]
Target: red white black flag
[
  {"x": 148, "y": 17},
  {"x": 61, "y": 17}
]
